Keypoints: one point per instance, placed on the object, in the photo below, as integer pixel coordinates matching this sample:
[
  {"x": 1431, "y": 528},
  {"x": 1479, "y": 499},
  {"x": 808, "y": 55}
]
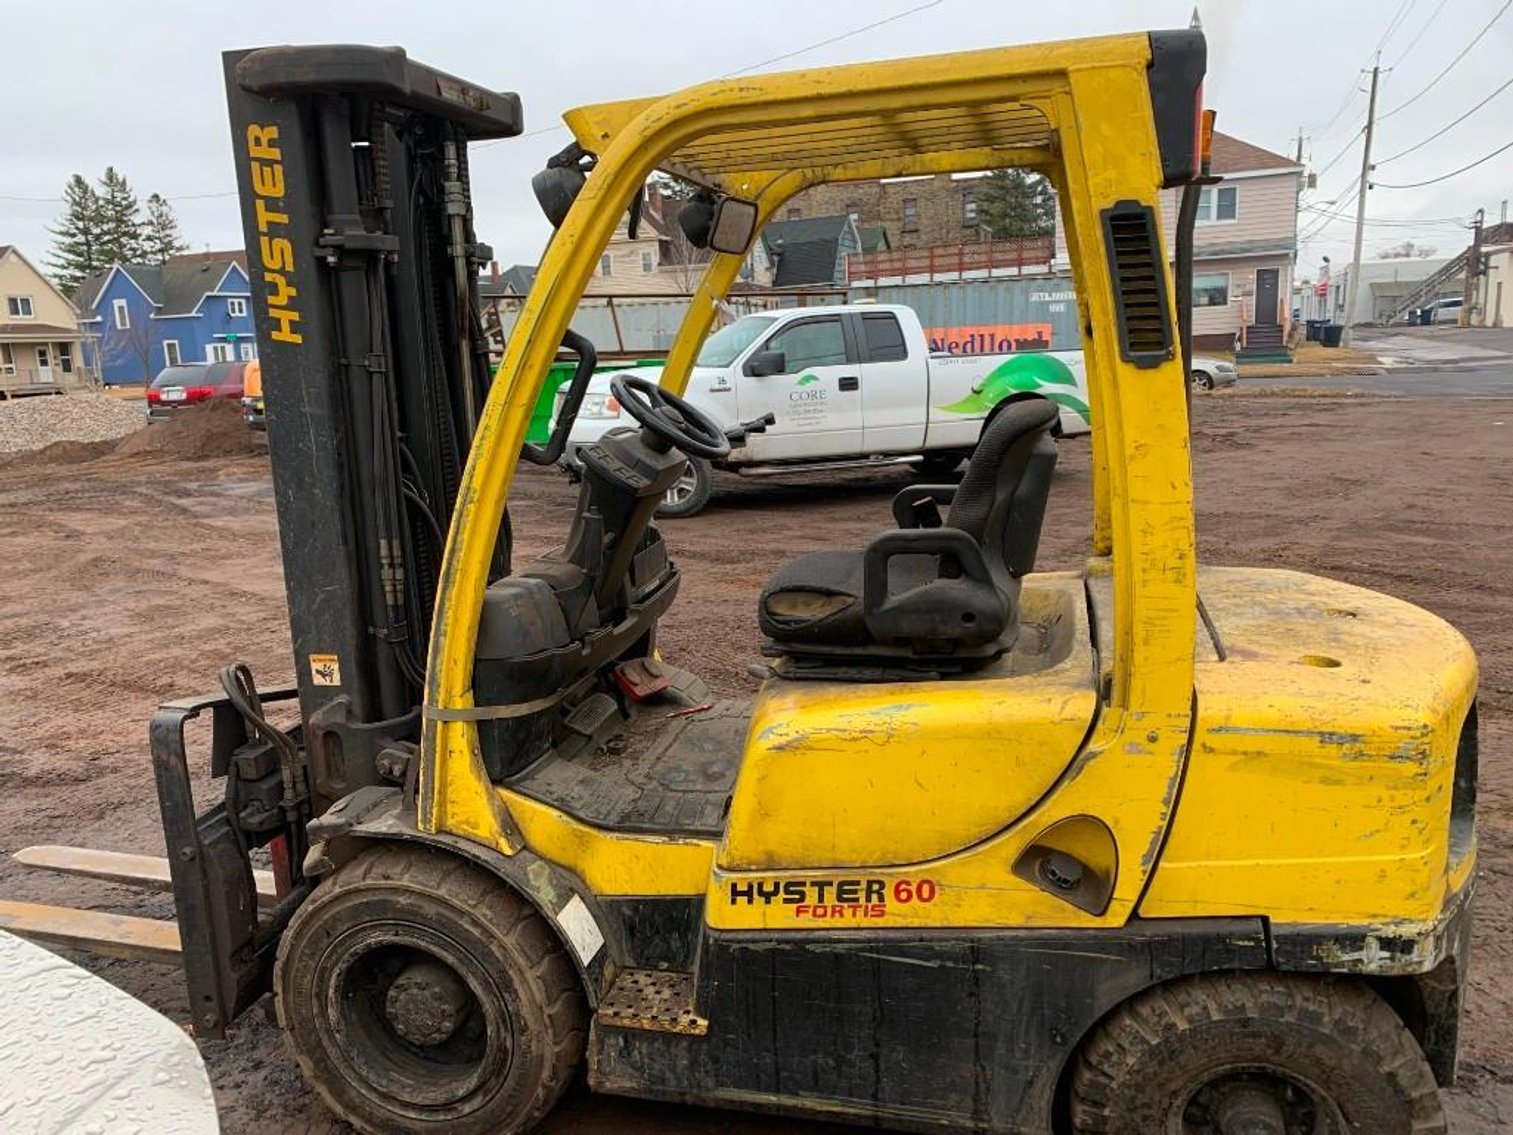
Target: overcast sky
[{"x": 141, "y": 88}]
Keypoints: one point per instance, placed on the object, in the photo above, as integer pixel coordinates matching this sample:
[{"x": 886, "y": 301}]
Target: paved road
[{"x": 1455, "y": 382}]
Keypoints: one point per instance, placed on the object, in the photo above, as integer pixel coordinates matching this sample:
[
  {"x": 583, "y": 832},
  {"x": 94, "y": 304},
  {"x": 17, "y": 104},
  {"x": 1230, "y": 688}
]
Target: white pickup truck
[{"x": 847, "y": 386}]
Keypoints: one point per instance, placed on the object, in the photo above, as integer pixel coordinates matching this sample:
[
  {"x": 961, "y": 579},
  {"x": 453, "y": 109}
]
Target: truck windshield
[{"x": 721, "y": 348}]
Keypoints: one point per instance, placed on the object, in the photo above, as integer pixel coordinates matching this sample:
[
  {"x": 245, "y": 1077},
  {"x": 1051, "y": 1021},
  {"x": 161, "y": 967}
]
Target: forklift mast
[{"x": 352, "y": 168}]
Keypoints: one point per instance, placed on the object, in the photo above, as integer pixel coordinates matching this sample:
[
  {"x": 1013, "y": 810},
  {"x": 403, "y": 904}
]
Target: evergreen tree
[
  {"x": 120, "y": 220},
  {"x": 160, "y": 234},
  {"x": 1015, "y": 202},
  {"x": 77, "y": 238}
]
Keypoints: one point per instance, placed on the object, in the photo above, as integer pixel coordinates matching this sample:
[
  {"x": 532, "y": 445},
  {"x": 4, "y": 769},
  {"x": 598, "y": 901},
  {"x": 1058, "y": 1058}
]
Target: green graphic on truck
[
  {"x": 806, "y": 379},
  {"x": 1023, "y": 374}
]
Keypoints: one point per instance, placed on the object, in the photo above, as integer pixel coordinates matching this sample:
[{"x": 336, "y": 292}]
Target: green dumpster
[{"x": 541, "y": 417}]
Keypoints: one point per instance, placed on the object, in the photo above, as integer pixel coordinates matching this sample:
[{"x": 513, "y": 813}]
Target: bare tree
[
  {"x": 132, "y": 346},
  {"x": 1406, "y": 251},
  {"x": 676, "y": 254}
]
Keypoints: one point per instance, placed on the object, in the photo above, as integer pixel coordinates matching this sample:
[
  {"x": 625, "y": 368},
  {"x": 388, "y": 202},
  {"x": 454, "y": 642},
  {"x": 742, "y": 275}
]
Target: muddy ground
[{"x": 133, "y": 578}]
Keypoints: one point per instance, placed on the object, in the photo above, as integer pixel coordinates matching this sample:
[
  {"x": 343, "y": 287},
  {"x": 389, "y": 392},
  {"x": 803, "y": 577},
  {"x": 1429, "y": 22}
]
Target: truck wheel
[
  {"x": 690, "y": 493},
  {"x": 422, "y": 996},
  {"x": 1254, "y": 1054}
]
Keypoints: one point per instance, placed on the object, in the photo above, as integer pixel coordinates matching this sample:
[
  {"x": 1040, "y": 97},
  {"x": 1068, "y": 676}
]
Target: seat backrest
[{"x": 1001, "y": 500}]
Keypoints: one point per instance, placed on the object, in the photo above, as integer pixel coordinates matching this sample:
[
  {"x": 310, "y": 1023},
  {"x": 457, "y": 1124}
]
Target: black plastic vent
[{"x": 1139, "y": 276}]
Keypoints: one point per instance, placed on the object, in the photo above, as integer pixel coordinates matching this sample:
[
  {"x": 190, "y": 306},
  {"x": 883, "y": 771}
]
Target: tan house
[
  {"x": 660, "y": 260},
  {"x": 41, "y": 346},
  {"x": 1244, "y": 246}
]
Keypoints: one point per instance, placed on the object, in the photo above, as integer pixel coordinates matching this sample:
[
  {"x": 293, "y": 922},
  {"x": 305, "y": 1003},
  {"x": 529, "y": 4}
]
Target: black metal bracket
[{"x": 227, "y": 949}]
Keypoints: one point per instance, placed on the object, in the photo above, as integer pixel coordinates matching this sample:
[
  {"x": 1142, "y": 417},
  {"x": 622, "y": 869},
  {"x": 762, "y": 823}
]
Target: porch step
[
  {"x": 659, "y": 1001},
  {"x": 1263, "y": 355}
]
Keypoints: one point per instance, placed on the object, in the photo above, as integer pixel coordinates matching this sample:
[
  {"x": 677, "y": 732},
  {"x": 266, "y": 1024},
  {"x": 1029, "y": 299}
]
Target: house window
[
  {"x": 969, "y": 210},
  {"x": 66, "y": 357},
  {"x": 911, "y": 215},
  {"x": 20, "y": 307},
  {"x": 247, "y": 352},
  {"x": 219, "y": 353},
  {"x": 122, "y": 315},
  {"x": 648, "y": 262},
  {"x": 1211, "y": 290},
  {"x": 171, "y": 353},
  {"x": 795, "y": 213},
  {"x": 1217, "y": 204},
  {"x": 7, "y": 361},
  {"x": 236, "y": 308},
  {"x": 605, "y": 267}
]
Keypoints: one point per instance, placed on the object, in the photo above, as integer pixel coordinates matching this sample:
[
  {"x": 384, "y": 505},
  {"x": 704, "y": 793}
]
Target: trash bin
[
  {"x": 1426, "y": 316},
  {"x": 1314, "y": 327},
  {"x": 1329, "y": 334}
]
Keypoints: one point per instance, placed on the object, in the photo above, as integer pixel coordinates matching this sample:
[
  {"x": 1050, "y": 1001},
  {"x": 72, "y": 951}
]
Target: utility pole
[
  {"x": 1473, "y": 270},
  {"x": 1353, "y": 285}
]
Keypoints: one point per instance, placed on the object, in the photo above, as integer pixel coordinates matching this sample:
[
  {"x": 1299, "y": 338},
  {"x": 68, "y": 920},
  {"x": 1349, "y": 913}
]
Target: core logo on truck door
[
  {"x": 275, "y": 250},
  {"x": 1039, "y": 374},
  {"x": 833, "y": 899}
]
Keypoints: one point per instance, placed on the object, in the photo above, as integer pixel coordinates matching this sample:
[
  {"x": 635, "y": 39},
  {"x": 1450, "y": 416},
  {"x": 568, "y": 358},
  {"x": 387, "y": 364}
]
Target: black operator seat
[{"x": 946, "y": 595}]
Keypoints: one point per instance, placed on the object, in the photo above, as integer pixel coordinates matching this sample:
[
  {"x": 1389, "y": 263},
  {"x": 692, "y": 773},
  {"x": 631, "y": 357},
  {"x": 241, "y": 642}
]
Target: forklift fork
[{"x": 229, "y": 916}]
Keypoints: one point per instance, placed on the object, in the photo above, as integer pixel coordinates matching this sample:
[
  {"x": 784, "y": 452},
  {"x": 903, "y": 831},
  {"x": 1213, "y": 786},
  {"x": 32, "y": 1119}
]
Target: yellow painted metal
[
  {"x": 1061, "y": 107},
  {"x": 845, "y": 774},
  {"x": 907, "y": 805},
  {"x": 1320, "y": 783}
]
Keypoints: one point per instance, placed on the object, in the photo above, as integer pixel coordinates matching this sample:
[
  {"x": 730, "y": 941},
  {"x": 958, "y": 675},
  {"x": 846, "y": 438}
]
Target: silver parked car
[{"x": 1211, "y": 374}]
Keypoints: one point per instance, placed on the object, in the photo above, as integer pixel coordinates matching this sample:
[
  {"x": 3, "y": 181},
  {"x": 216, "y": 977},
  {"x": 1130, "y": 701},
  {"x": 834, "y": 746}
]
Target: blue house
[{"x": 140, "y": 318}]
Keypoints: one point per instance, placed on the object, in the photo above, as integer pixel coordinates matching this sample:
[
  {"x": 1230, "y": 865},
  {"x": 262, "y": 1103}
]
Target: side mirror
[
  {"x": 764, "y": 363},
  {"x": 725, "y": 224},
  {"x": 733, "y": 226}
]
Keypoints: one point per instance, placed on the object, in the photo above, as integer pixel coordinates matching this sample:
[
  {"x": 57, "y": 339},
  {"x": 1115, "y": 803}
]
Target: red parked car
[{"x": 190, "y": 383}]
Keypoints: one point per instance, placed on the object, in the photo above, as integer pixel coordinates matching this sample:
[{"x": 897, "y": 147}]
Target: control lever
[{"x": 737, "y": 434}]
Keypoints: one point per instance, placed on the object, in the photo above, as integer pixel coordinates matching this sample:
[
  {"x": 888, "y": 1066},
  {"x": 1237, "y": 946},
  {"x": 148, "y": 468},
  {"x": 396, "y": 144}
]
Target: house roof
[
  {"x": 516, "y": 280},
  {"x": 4, "y": 248},
  {"x": 874, "y": 238},
  {"x": 176, "y": 286},
  {"x": 804, "y": 249},
  {"x": 1230, "y": 155},
  {"x": 37, "y": 330}
]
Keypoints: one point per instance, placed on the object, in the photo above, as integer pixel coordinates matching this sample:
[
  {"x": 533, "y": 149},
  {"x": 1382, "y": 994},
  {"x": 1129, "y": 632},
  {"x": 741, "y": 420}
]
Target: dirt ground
[{"x": 133, "y": 578}]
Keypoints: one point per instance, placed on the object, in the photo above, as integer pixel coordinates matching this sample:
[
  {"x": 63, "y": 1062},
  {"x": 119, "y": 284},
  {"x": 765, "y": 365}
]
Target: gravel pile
[{"x": 32, "y": 423}]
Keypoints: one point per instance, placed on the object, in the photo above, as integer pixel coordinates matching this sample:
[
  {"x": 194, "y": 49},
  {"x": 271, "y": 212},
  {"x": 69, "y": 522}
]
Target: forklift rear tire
[
  {"x": 420, "y": 995},
  {"x": 1259, "y": 1054},
  {"x": 690, "y": 493}
]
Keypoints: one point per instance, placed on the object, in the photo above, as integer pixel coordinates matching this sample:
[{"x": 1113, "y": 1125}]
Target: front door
[
  {"x": 817, "y": 400},
  {"x": 1267, "y": 295},
  {"x": 44, "y": 365}
]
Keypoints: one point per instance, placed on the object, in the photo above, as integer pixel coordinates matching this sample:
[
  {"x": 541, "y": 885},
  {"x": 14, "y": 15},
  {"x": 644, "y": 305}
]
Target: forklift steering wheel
[{"x": 668, "y": 417}]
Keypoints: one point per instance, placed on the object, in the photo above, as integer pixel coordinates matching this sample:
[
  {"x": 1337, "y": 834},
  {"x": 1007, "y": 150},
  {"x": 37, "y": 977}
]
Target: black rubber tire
[
  {"x": 1337, "y": 1037},
  {"x": 937, "y": 464},
  {"x": 1203, "y": 380},
  {"x": 703, "y": 489},
  {"x": 430, "y": 892}
]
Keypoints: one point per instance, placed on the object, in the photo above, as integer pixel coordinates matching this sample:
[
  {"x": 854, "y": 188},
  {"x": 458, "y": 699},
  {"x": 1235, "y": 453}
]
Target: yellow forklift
[{"x": 1145, "y": 847}]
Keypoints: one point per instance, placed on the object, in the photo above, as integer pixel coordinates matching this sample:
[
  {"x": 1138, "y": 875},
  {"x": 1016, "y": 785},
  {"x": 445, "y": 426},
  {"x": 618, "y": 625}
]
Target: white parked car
[
  {"x": 847, "y": 386},
  {"x": 851, "y": 386}
]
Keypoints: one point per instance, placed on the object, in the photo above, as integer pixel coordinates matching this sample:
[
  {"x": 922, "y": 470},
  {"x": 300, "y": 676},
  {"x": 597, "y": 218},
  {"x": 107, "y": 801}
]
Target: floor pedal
[
  {"x": 659, "y": 1001},
  {"x": 591, "y": 714}
]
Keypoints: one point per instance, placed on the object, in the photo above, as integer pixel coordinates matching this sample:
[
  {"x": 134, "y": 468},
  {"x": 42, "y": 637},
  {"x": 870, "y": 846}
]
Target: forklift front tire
[
  {"x": 690, "y": 492},
  {"x": 1239, "y": 1053},
  {"x": 420, "y": 995}
]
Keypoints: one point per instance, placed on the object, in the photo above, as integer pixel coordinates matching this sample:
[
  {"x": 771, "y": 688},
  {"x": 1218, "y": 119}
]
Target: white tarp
[{"x": 80, "y": 1057}]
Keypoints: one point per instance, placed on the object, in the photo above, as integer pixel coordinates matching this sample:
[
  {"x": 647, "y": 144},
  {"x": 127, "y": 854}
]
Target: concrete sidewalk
[{"x": 1437, "y": 347}]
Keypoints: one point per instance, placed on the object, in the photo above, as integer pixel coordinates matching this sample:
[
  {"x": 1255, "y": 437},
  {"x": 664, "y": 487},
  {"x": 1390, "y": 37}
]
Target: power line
[
  {"x": 1445, "y": 176},
  {"x": 1443, "y": 129},
  {"x": 1429, "y": 23},
  {"x": 174, "y": 197},
  {"x": 1451, "y": 65},
  {"x": 1403, "y": 9},
  {"x": 835, "y": 38},
  {"x": 764, "y": 63}
]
